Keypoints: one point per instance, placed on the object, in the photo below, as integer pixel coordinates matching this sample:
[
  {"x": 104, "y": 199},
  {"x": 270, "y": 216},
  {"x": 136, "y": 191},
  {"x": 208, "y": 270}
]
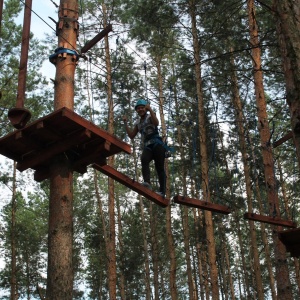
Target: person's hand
[{"x": 147, "y": 107}]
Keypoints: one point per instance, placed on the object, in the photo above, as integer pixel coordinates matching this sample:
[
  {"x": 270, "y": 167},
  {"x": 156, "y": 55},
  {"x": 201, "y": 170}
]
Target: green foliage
[{"x": 30, "y": 233}]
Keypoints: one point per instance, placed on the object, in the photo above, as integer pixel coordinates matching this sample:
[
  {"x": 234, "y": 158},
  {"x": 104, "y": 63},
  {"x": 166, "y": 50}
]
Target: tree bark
[
  {"x": 240, "y": 121},
  {"x": 287, "y": 17},
  {"x": 155, "y": 255},
  {"x": 60, "y": 237},
  {"x": 112, "y": 260},
  {"x": 146, "y": 254},
  {"x": 204, "y": 157},
  {"x": 173, "y": 287},
  {"x": 184, "y": 209},
  {"x": 13, "y": 263},
  {"x": 284, "y": 290}
]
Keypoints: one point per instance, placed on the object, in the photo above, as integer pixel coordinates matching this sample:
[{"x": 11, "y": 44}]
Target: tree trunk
[
  {"x": 121, "y": 252},
  {"x": 231, "y": 285},
  {"x": 287, "y": 17},
  {"x": 146, "y": 254},
  {"x": 202, "y": 270},
  {"x": 102, "y": 217},
  {"x": 297, "y": 272},
  {"x": 112, "y": 261},
  {"x": 145, "y": 239},
  {"x": 284, "y": 290},
  {"x": 60, "y": 237},
  {"x": 240, "y": 121},
  {"x": 184, "y": 211},
  {"x": 171, "y": 248},
  {"x": 13, "y": 276},
  {"x": 204, "y": 158},
  {"x": 186, "y": 243},
  {"x": 155, "y": 255}
]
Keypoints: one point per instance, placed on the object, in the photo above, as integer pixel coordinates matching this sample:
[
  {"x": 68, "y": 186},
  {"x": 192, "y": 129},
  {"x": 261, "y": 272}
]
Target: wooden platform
[
  {"x": 62, "y": 131},
  {"x": 291, "y": 239},
  {"x": 134, "y": 185},
  {"x": 202, "y": 204},
  {"x": 270, "y": 220}
]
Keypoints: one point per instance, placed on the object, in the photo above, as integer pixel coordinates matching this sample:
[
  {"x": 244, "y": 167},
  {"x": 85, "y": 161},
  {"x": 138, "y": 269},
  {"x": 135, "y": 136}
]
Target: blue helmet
[{"x": 140, "y": 102}]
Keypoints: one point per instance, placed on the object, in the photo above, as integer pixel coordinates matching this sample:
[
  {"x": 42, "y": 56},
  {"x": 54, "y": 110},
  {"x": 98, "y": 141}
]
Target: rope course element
[
  {"x": 275, "y": 219},
  {"x": 63, "y": 52}
]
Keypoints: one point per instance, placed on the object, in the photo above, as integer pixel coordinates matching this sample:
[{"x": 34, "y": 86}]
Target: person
[{"x": 152, "y": 144}]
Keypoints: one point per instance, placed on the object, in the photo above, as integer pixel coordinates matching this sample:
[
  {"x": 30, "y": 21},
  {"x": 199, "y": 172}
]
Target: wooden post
[
  {"x": 60, "y": 235},
  {"x": 24, "y": 54},
  {"x": 19, "y": 116}
]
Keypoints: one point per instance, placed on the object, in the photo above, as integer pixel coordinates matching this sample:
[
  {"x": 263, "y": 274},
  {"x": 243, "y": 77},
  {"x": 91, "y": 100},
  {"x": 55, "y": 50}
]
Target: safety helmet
[{"x": 140, "y": 102}]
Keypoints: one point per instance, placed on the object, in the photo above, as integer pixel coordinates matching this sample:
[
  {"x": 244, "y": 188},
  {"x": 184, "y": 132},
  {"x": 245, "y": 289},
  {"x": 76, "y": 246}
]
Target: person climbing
[{"x": 151, "y": 143}]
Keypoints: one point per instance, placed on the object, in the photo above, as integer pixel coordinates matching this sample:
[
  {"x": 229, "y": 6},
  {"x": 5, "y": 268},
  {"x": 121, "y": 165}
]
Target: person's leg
[
  {"x": 146, "y": 158},
  {"x": 159, "y": 159}
]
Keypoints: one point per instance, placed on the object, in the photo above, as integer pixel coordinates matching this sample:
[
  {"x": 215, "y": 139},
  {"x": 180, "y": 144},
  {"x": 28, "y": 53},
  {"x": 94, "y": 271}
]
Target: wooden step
[
  {"x": 201, "y": 204},
  {"x": 270, "y": 220},
  {"x": 132, "y": 184}
]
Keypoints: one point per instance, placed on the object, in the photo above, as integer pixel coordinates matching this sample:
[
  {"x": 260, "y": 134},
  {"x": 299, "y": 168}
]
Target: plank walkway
[{"x": 132, "y": 184}]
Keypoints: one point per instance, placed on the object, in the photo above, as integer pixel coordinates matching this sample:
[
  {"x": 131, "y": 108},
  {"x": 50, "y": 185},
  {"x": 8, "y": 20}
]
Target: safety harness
[{"x": 150, "y": 135}]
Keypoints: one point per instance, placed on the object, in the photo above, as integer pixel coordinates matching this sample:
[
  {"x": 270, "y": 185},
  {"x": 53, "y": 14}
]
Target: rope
[{"x": 146, "y": 88}]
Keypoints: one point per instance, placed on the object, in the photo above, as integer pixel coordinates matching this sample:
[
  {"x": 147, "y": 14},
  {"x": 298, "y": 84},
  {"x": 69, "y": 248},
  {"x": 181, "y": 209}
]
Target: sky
[{"x": 41, "y": 24}]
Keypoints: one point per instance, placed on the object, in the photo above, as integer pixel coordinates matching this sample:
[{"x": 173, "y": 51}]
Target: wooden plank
[
  {"x": 291, "y": 239},
  {"x": 97, "y": 38},
  {"x": 45, "y": 134},
  {"x": 270, "y": 220},
  {"x": 132, "y": 184},
  {"x": 43, "y": 155},
  {"x": 96, "y": 155},
  {"x": 21, "y": 140},
  {"x": 97, "y": 130},
  {"x": 285, "y": 138},
  {"x": 201, "y": 204}
]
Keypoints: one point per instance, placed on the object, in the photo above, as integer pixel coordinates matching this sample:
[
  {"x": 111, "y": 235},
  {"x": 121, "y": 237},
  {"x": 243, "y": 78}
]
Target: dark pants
[{"x": 154, "y": 152}]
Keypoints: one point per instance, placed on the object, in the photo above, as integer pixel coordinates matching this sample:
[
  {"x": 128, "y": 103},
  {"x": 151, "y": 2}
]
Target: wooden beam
[
  {"x": 96, "y": 39},
  {"x": 291, "y": 239},
  {"x": 91, "y": 156},
  {"x": 270, "y": 220},
  {"x": 201, "y": 204},
  {"x": 288, "y": 136},
  {"x": 65, "y": 112},
  {"x": 132, "y": 184},
  {"x": 45, "y": 154}
]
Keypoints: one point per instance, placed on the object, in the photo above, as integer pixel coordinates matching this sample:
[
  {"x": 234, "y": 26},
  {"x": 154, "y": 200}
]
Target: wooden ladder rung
[
  {"x": 270, "y": 220},
  {"x": 202, "y": 204},
  {"x": 132, "y": 184}
]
